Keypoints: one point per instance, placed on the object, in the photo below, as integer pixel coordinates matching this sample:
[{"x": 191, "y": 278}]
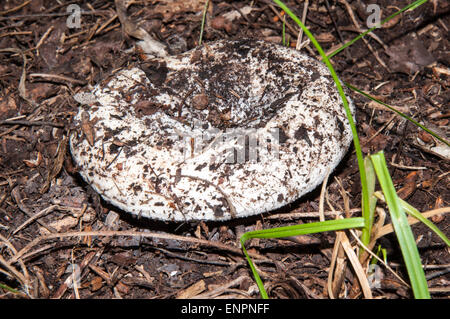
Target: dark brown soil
[{"x": 409, "y": 67}]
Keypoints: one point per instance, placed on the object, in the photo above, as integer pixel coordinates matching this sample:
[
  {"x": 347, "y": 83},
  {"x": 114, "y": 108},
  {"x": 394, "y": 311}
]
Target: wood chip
[{"x": 192, "y": 290}]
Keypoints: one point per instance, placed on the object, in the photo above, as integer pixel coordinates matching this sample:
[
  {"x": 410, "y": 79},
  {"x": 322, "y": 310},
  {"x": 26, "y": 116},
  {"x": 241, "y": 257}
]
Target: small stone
[{"x": 200, "y": 101}]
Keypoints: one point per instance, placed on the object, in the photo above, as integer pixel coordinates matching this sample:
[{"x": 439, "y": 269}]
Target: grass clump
[{"x": 371, "y": 168}]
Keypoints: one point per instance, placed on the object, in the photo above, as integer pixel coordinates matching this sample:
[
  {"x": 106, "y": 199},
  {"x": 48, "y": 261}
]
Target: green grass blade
[
  {"x": 6, "y": 287},
  {"x": 402, "y": 229},
  {"x": 399, "y": 113},
  {"x": 295, "y": 230},
  {"x": 258, "y": 280},
  {"x": 411, "y": 210},
  {"x": 362, "y": 172},
  {"x": 303, "y": 229},
  {"x": 411, "y": 6},
  {"x": 368, "y": 218},
  {"x": 380, "y": 251}
]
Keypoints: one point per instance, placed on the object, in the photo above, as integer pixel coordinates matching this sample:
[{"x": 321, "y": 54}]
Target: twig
[
  {"x": 70, "y": 279},
  {"x": 336, "y": 273},
  {"x": 202, "y": 27},
  {"x": 224, "y": 287},
  {"x": 411, "y": 220},
  {"x": 376, "y": 257},
  {"x": 32, "y": 123},
  {"x": 57, "y": 77},
  {"x": 379, "y": 131},
  {"x": 16, "y": 195},
  {"x": 338, "y": 263},
  {"x": 338, "y": 30},
  {"x": 24, "y": 17},
  {"x": 322, "y": 197},
  {"x": 22, "y": 88},
  {"x": 39, "y": 215},
  {"x": 437, "y": 273},
  {"x": 415, "y": 168},
  {"x": 299, "y": 215},
  {"x": 300, "y": 32},
  {"x": 7, "y": 34},
  {"x": 334, "y": 22},
  {"x": 24, "y": 278},
  {"x": 289, "y": 26},
  {"x": 20, "y": 6},
  {"x": 357, "y": 267},
  {"x": 43, "y": 38},
  {"x": 110, "y": 233},
  {"x": 211, "y": 262},
  {"x": 355, "y": 22},
  {"x": 20, "y": 277},
  {"x": 114, "y": 159},
  {"x": 57, "y": 164},
  {"x": 104, "y": 25}
]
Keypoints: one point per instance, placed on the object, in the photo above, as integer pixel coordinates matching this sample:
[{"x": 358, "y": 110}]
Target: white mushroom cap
[{"x": 231, "y": 129}]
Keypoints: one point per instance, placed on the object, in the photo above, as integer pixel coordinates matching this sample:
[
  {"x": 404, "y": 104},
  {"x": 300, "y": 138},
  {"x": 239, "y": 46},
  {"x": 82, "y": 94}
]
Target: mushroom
[{"x": 227, "y": 130}]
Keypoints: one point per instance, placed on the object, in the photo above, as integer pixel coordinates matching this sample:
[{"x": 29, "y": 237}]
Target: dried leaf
[
  {"x": 34, "y": 163},
  {"x": 439, "y": 203},
  {"x": 57, "y": 165},
  {"x": 96, "y": 283},
  {"x": 325, "y": 37},
  {"x": 409, "y": 185},
  {"x": 87, "y": 128},
  {"x": 409, "y": 55}
]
